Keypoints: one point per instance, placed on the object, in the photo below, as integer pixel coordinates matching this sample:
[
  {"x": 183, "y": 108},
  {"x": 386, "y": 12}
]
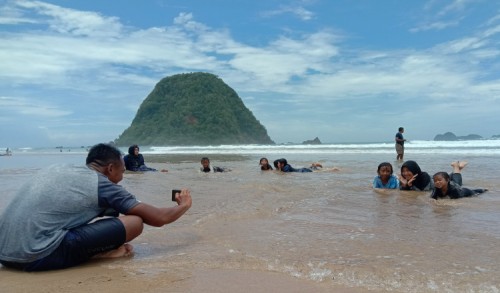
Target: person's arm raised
[{"x": 158, "y": 217}]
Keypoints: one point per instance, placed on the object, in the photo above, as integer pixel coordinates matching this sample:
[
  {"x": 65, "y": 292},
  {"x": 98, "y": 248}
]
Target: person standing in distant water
[
  {"x": 400, "y": 144},
  {"x": 135, "y": 161}
]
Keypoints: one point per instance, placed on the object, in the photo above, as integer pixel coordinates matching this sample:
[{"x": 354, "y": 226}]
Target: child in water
[
  {"x": 264, "y": 165},
  {"x": 385, "y": 178},
  {"x": 450, "y": 186},
  {"x": 206, "y": 167}
]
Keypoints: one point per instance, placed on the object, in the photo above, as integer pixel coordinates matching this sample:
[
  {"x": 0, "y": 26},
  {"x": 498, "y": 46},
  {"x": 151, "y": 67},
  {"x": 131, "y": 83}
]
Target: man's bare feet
[
  {"x": 122, "y": 251},
  {"x": 462, "y": 164},
  {"x": 455, "y": 164}
]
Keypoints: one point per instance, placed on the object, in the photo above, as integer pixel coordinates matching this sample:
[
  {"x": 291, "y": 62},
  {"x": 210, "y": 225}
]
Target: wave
[
  {"x": 460, "y": 147},
  {"x": 479, "y": 147}
]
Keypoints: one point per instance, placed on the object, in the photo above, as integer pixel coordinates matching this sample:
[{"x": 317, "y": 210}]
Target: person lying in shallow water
[
  {"x": 413, "y": 178},
  {"x": 134, "y": 161},
  {"x": 450, "y": 186},
  {"x": 264, "y": 165},
  {"x": 207, "y": 168},
  {"x": 283, "y": 166},
  {"x": 385, "y": 178}
]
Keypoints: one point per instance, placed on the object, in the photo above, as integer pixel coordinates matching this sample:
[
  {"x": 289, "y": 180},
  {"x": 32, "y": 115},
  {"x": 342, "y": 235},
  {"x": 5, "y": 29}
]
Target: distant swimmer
[
  {"x": 450, "y": 186},
  {"x": 7, "y": 152}
]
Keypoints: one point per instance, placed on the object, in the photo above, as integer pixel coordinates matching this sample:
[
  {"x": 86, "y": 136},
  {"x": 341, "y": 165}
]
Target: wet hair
[
  {"x": 401, "y": 128},
  {"x": 132, "y": 148},
  {"x": 103, "y": 154},
  {"x": 205, "y": 159},
  {"x": 266, "y": 166},
  {"x": 283, "y": 161},
  {"x": 384, "y": 164},
  {"x": 442, "y": 174}
]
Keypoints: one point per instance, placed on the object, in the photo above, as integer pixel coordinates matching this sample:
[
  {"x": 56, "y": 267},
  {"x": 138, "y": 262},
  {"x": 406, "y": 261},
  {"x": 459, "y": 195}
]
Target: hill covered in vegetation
[{"x": 193, "y": 109}]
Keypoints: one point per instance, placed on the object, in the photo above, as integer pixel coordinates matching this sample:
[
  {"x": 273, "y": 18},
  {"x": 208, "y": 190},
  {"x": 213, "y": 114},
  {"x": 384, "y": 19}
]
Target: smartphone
[{"x": 174, "y": 192}]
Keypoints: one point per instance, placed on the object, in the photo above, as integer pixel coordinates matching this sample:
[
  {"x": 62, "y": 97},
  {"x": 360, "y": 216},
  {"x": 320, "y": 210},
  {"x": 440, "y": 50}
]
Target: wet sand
[{"x": 97, "y": 278}]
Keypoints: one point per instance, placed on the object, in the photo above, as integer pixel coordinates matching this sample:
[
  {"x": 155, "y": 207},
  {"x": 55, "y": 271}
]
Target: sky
[{"x": 74, "y": 73}]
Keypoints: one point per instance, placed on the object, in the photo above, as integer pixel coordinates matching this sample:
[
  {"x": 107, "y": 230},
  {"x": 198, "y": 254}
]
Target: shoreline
[{"x": 96, "y": 276}]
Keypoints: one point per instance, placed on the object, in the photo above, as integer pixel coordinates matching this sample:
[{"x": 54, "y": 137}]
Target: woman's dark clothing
[
  {"x": 288, "y": 168},
  {"x": 422, "y": 182},
  {"x": 135, "y": 163},
  {"x": 455, "y": 189}
]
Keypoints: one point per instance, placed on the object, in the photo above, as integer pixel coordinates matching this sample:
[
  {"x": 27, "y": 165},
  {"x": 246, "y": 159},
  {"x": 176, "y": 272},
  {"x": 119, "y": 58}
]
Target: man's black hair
[{"x": 103, "y": 154}]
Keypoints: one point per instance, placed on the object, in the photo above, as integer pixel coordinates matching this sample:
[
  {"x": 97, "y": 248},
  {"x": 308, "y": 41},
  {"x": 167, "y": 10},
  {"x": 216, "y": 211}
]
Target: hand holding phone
[{"x": 174, "y": 192}]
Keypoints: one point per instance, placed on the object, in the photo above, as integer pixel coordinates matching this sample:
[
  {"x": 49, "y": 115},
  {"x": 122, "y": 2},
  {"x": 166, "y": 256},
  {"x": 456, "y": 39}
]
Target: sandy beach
[{"x": 100, "y": 278}]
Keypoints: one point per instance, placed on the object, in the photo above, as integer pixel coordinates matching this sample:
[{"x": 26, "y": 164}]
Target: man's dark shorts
[{"x": 79, "y": 245}]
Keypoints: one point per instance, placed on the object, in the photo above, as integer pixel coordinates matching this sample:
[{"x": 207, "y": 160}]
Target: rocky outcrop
[
  {"x": 450, "y": 136},
  {"x": 193, "y": 109},
  {"x": 314, "y": 141}
]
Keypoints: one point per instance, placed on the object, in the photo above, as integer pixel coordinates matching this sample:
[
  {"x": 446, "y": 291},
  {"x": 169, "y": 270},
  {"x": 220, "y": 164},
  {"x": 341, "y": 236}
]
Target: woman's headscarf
[{"x": 423, "y": 179}]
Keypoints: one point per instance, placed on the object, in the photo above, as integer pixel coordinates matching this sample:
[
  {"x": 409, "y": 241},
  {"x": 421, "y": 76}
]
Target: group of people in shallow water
[
  {"x": 441, "y": 185},
  {"x": 279, "y": 164}
]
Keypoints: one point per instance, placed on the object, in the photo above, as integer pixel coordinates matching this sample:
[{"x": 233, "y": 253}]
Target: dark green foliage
[{"x": 193, "y": 109}]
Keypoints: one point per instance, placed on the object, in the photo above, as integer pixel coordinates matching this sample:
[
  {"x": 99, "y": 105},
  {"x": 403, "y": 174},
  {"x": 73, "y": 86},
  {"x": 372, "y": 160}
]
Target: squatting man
[{"x": 56, "y": 221}]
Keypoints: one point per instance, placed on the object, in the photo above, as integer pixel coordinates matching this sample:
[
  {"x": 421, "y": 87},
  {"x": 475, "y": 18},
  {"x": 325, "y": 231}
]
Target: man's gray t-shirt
[{"x": 56, "y": 200}]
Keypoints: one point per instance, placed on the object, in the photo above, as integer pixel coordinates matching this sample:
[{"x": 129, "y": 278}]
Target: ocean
[{"x": 327, "y": 227}]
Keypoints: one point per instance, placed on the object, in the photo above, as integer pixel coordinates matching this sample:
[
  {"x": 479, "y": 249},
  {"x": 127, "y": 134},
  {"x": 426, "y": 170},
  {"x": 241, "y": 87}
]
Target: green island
[{"x": 193, "y": 109}]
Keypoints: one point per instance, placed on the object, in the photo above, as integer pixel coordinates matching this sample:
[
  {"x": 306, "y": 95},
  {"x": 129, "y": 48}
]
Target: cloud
[
  {"x": 296, "y": 10},
  {"x": 437, "y": 17},
  {"x": 13, "y": 106},
  {"x": 74, "y": 22},
  {"x": 93, "y": 71}
]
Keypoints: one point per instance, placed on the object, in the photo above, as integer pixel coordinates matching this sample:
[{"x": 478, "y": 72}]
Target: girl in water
[
  {"x": 264, "y": 165},
  {"x": 385, "y": 178},
  {"x": 412, "y": 178},
  {"x": 450, "y": 186}
]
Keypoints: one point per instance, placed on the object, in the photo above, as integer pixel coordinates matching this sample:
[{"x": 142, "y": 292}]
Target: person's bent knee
[{"x": 133, "y": 226}]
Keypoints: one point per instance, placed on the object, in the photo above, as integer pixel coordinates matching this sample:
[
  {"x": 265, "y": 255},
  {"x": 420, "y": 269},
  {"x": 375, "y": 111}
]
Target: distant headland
[
  {"x": 193, "y": 109},
  {"x": 450, "y": 136}
]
